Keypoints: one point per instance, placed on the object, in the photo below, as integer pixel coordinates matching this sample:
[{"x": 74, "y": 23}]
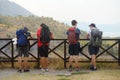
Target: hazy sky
[
  {"x": 84, "y": 11},
  {"x": 98, "y": 11}
]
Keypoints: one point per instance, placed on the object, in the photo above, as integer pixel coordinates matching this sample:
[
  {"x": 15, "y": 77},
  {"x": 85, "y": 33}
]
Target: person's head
[
  {"x": 25, "y": 29},
  {"x": 92, "y": 25},
  {"x": 42, "y": 25},
  {"x": 74, "y": 23}
]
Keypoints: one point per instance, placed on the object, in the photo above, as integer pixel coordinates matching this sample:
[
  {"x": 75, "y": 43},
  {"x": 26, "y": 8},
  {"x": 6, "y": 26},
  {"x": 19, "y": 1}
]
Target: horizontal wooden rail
[{"x": 64, "y": 42}]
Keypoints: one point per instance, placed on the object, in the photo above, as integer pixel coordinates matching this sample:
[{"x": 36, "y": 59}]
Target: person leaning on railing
[
  {"x": 73, "y": 34},
  {"x": 23, "y": 46},
  {"x": 44, "y": 35},
  {"x": 95, "y": 36}
]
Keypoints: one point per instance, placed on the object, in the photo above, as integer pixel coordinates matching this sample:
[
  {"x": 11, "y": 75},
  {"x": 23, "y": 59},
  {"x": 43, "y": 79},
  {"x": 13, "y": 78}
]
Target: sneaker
[
  {"x": 43, "y": 70},
  {"x": 94, "y": 69},
  {"x": 70, "y": 68},
  {"x": 46, "y": 70},
  {"x": 20, "y": 71},
  {"x": 27, "y": 70},
  {"x": 91, "y": 67}
]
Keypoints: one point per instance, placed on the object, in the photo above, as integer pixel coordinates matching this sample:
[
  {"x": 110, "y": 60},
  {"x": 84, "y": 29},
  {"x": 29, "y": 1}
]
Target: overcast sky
[
  {"x": 84, "y": 11},
  {"x": 98, "y": 11}
]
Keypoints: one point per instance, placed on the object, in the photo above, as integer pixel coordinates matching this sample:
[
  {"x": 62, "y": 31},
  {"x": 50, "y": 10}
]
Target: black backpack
[
  {"x": 45, "y": 34},
  {"x": 96, "y": 38}
]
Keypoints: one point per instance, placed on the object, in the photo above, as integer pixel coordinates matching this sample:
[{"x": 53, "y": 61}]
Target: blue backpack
[{"x": 21, "y": 38}]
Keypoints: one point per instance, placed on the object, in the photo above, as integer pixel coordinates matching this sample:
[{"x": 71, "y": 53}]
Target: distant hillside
[
  {"x": 9, "y": 25},
  {"x": 13, "y": 17},
  {"x": 12, "y": 9}
]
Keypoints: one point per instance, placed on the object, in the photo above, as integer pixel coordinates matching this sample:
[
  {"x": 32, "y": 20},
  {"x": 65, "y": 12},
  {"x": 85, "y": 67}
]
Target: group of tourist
[{"x": 44, "y": 35}]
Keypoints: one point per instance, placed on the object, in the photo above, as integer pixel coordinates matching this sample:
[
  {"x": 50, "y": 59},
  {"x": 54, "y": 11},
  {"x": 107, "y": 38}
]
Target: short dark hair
[
  {"x": 43, "y": 24},
  {"x": 93, "y": 25},
  {"x": 74, "y": 22},
  {"x": 25, "y": 29}
]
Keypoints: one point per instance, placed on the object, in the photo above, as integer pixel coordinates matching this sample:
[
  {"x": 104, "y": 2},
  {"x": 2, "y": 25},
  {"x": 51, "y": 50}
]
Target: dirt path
[
  {"x": 10, "y": 72},
  {"x": 35, "y": 74}
]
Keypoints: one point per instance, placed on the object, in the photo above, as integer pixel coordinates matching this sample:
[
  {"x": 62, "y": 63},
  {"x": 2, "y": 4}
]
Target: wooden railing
[{"x": 12, "y": 57}]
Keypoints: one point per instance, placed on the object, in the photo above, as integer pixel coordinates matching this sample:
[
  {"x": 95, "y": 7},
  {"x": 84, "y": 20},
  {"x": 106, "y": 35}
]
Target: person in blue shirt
[
  {"x": 23, "y": 46},
  {"x": 73, "y": 34}
]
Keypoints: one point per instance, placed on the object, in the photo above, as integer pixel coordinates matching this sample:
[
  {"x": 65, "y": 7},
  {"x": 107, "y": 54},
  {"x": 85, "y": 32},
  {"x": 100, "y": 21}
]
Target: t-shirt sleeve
[
  {"x": 38, "y": 33},
  {"x": 78, "y": 31},
  {"x": 67, "y": 32}
]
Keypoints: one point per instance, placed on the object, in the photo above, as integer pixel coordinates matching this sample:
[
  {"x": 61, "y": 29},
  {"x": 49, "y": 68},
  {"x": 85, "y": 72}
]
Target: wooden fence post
[
  {"x": 119, "y": 52},
  {"x": 38, "y": 58},
  {"x": 12, "y": 55},
  {"x": 65, "y": 65}
]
